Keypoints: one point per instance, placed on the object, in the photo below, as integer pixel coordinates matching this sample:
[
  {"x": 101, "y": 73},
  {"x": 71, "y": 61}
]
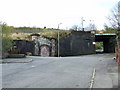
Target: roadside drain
[{"x": 92, "y": 79}]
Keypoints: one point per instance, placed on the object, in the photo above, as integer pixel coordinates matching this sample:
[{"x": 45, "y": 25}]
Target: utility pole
[{"x": 92, "y": 24}]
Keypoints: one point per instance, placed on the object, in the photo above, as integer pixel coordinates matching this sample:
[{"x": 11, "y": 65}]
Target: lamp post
[
  {"x": 82, "y": 23},
  {"x": 58, "y": 37}
]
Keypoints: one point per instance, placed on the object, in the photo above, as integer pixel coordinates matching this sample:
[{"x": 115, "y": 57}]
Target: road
[{"x": 62, "y": 72}]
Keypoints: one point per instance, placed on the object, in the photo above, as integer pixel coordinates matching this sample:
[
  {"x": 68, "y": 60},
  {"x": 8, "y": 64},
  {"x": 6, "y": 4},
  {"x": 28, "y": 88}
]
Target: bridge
[{"x": 108, "y": 40}]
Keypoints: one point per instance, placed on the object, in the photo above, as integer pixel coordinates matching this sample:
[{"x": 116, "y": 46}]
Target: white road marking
[{"x": 92, "y": 80}]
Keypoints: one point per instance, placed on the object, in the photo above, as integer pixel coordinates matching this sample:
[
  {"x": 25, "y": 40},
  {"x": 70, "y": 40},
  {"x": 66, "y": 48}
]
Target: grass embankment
[{"x": 45, "y": 33}]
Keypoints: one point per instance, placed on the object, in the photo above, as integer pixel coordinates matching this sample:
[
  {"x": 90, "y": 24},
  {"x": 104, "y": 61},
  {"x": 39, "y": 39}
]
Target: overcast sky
[{"x": 50, "y": 13}]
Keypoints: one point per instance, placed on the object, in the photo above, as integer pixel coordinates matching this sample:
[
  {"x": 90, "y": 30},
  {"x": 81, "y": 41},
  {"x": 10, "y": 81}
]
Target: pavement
[
  {"x": 113, "y": 72},
  {"x": 16, "y": 60},
  {"x": 108, "y": 74},
  {"x": 62, "y": 72}
]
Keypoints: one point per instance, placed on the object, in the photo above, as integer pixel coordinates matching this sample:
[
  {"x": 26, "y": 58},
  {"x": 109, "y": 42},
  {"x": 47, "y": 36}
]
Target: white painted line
[{"x": 92, "y": 80}]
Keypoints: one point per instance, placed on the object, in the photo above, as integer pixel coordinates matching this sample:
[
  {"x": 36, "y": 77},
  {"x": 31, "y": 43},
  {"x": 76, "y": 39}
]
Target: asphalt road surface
[{"x": 62, "y": 72}]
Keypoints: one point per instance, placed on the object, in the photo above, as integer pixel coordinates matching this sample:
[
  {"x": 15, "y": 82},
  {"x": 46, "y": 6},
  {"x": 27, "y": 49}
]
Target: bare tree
[
  {"x": 74, "y": 27},
  {"x": 114, "y": 17},
  {"x": 91, "y": 27}
]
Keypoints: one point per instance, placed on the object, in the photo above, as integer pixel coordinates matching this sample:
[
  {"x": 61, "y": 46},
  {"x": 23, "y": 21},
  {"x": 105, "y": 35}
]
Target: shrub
[{"x": 6, "y": 39}]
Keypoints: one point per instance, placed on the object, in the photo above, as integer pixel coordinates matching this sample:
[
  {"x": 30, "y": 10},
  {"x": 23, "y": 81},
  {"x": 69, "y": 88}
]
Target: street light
[
  {"x": 59, "y": 25},
  {"x": 58, "y": 37},
  {"x": 82, "y": 23}
]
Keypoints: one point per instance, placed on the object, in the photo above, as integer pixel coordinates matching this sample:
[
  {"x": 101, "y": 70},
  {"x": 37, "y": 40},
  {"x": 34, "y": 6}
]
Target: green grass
[{"x": 45, "y": 33}]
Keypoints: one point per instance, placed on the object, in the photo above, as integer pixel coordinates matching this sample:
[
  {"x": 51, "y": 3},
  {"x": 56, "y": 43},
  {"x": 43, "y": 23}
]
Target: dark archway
[{"x": 109, "y": 41}]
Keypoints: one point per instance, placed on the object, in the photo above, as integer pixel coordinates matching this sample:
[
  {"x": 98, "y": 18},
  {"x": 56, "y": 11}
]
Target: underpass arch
[{"x": 109, "y": 41}]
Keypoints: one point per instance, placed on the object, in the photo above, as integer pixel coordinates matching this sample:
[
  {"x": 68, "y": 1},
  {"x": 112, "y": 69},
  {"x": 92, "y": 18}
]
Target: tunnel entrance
[
  {"x": 107, "y": 42},
  {"x": 99, "y": 47}
]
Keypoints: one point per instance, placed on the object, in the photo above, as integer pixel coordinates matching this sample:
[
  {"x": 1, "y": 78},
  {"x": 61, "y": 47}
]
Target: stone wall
[
  {"x": 39, "y": 46},
  {"x": 44, "y": 46}
]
